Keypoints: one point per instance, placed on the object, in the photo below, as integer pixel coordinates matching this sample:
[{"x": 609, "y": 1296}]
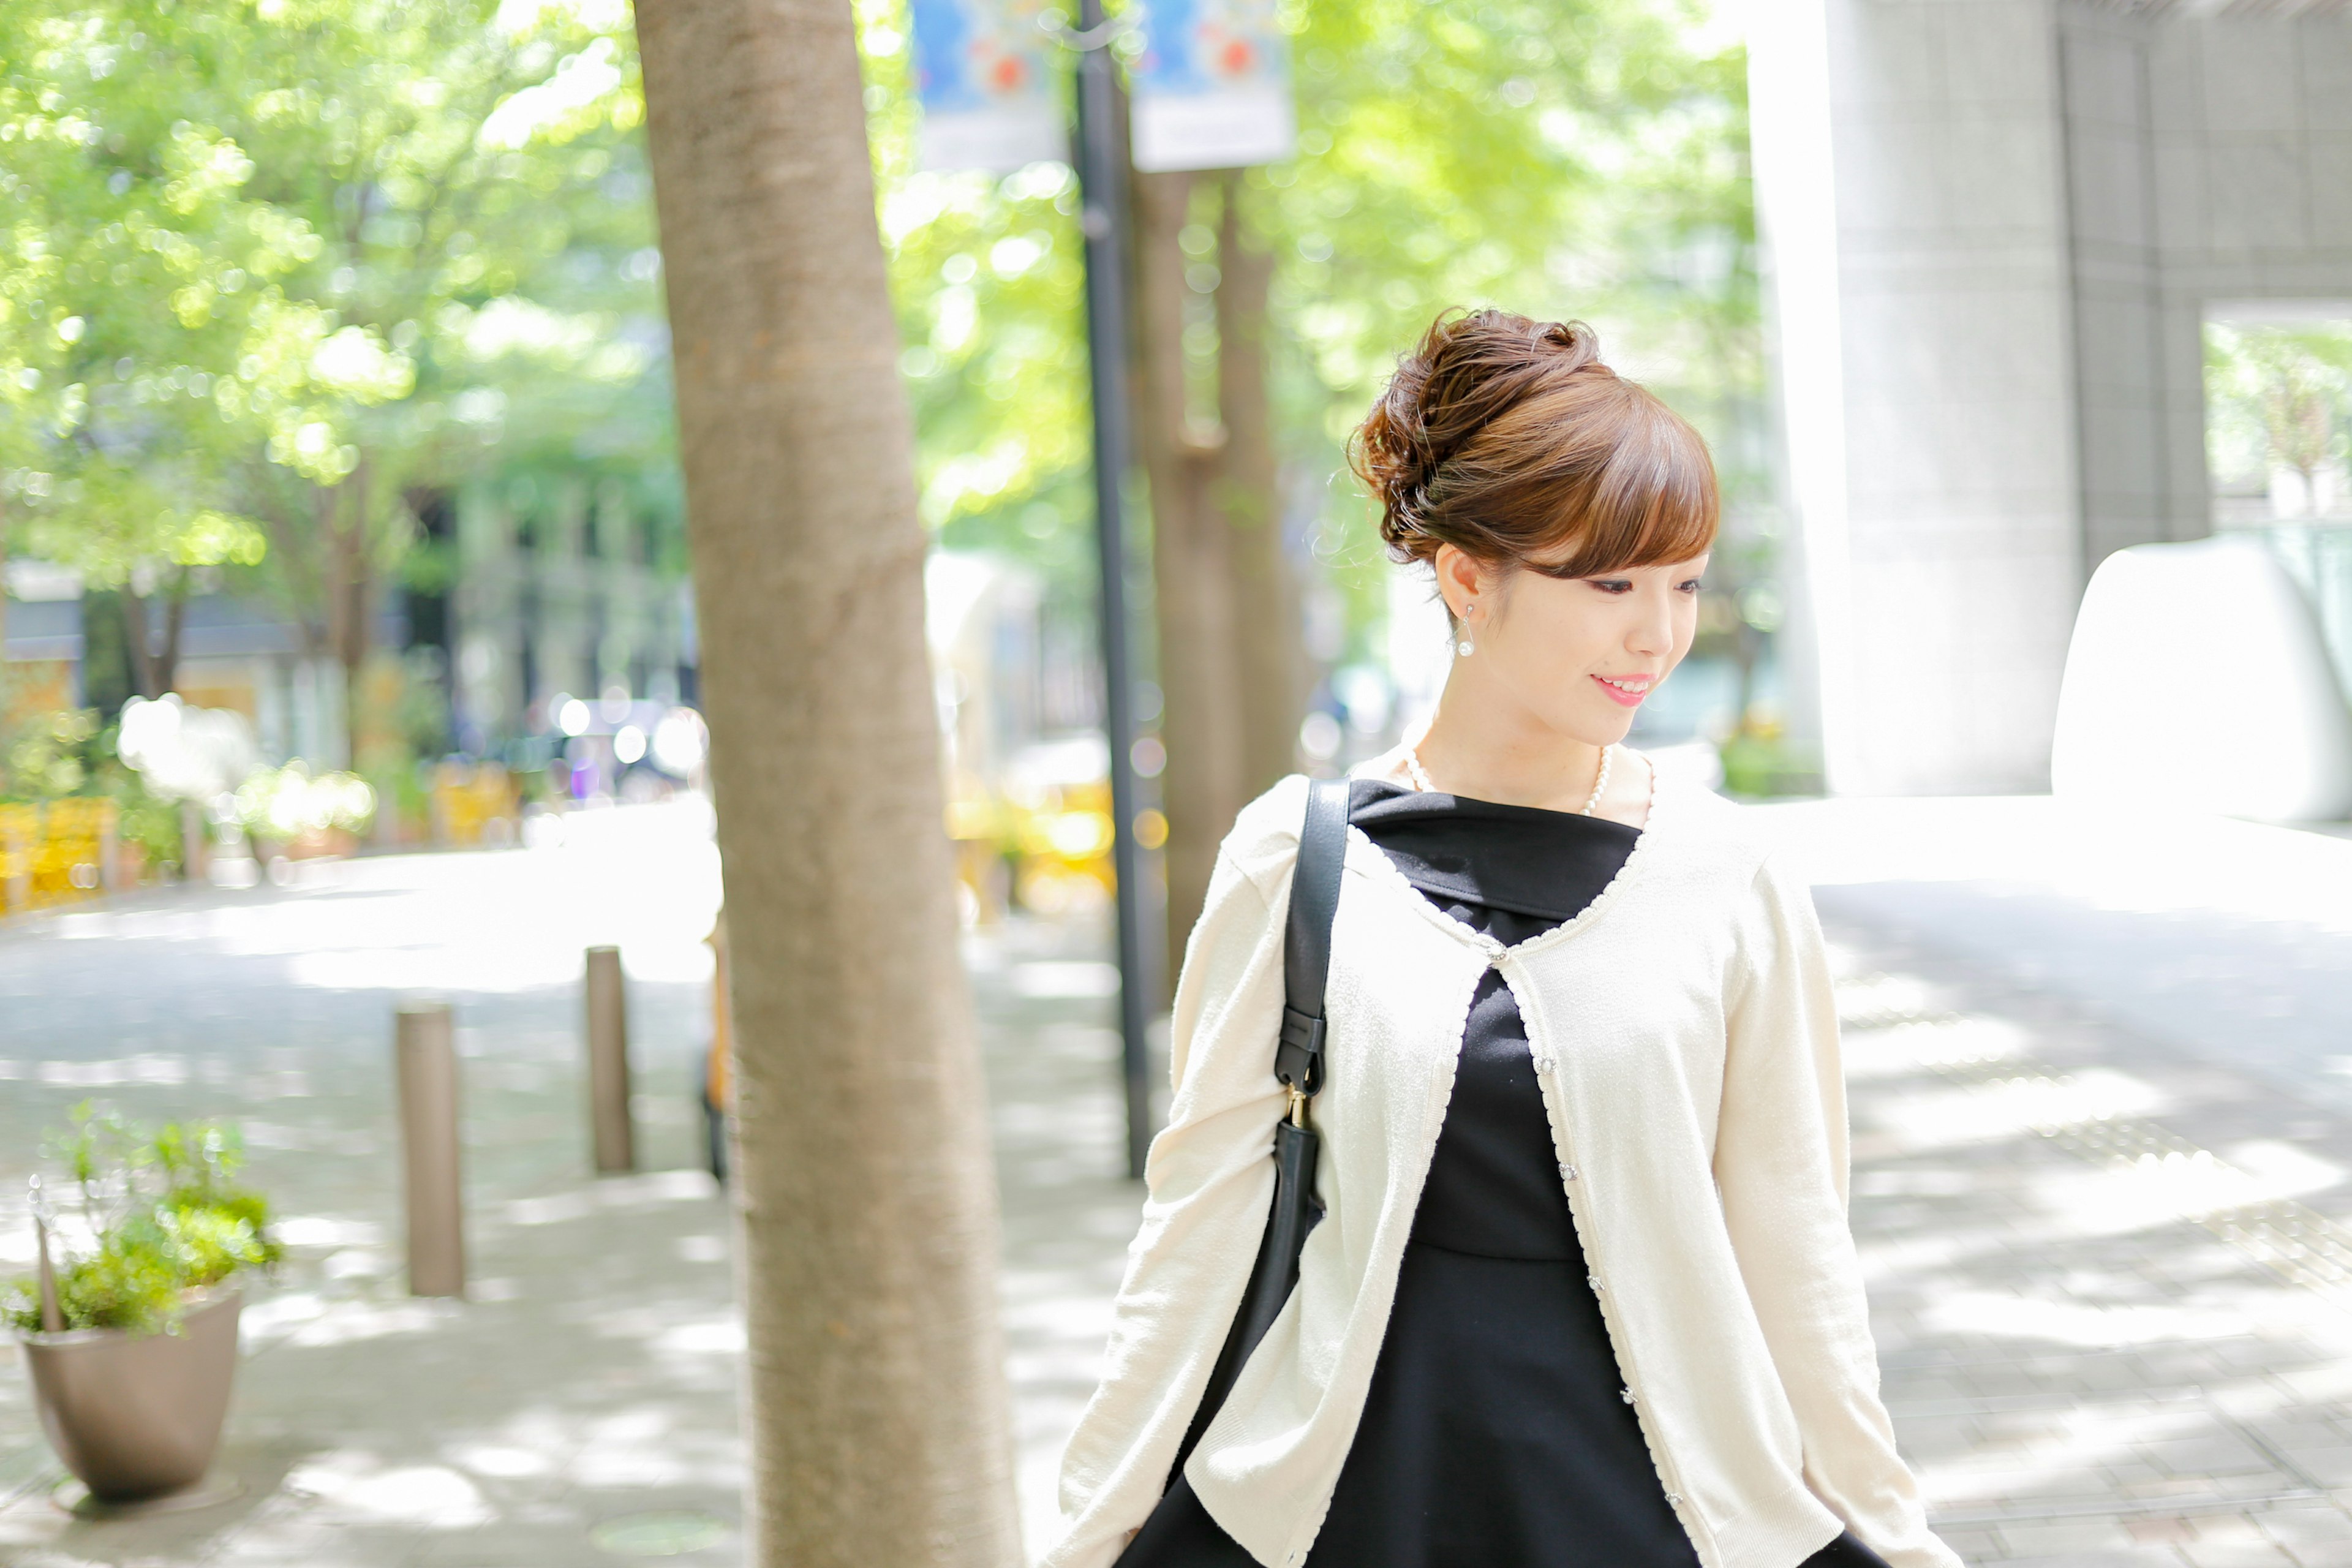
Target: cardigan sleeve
[
  {"x": 1780, "y": 1164},
  {"x": 1209, "y": 1181}
]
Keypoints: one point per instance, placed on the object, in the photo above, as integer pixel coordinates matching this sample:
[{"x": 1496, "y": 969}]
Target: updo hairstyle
[{"x": 1509, "y": 439}]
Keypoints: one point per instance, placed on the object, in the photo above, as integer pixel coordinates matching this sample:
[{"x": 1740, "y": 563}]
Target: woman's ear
[{"x": 1460, "y": 578}]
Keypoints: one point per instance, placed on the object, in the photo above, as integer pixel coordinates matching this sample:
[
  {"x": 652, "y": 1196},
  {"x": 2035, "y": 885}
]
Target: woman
[{"x": 1583, "y": 1295}]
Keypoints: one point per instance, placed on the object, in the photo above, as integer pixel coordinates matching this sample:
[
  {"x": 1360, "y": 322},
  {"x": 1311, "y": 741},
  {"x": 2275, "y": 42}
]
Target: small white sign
[
  {"x": 979, "y": 74},
  {"x": 1213, "y": 88}
]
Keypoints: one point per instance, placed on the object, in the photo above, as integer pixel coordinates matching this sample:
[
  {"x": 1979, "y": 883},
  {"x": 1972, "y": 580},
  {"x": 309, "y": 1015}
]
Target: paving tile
[
  {"x": 1975, "y": 1545},
  {"x": 2136, "y": 1557},
  {"x": 2235, "y": 1554},
  {"x": 2207, "y": 1454},
  {"x": 2299, "y": 1528},
  {"x": 2328, "y": 1467},
  {"x": 2056, "y": 1538}
]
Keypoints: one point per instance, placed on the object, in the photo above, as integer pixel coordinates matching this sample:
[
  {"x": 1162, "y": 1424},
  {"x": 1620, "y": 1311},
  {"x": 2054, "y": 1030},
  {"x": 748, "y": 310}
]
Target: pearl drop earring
[{"x": 1465, "y": 647}]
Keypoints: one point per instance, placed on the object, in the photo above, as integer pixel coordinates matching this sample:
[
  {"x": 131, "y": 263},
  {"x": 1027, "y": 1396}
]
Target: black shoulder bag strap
[{"x": 1298, "y": 1063}]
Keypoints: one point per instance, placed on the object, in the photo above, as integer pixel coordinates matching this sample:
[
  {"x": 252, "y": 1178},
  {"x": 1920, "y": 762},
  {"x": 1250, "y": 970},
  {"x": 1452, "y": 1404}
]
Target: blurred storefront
[
  {"x": 520, "y": 596},
  {"x": 1028, "y": 773}
]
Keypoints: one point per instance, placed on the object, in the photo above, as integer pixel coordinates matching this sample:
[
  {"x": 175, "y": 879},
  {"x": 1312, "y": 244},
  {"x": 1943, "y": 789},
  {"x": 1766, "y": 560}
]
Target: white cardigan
[{"x": 1685, "y": 1038}]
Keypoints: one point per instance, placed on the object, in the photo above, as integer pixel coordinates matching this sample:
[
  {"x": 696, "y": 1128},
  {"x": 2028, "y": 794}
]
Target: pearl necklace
[{"x": 1420, "y": 776}]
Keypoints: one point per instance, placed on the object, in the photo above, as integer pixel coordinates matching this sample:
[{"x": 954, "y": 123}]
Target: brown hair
[{"x": 1509, "y": 439}]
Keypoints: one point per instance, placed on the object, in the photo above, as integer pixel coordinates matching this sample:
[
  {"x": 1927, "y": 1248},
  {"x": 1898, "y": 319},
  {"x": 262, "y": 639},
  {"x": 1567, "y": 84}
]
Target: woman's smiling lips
[{"x": 1626, "y": 690}]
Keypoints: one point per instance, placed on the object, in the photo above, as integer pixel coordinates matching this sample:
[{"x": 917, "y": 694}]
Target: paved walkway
[
  {"x": 582, "y": 1397},
  {"x": 2101, "y": 1150},
  {"x": 2099, "y": 1180}
]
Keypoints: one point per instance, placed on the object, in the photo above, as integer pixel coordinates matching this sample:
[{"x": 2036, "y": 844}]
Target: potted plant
[{"x": 131, "y": 1336}]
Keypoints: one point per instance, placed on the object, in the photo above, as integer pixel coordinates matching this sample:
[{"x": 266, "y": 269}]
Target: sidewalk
[
  {"x": 581, "y": 1404},
  {"x": 2099, "y": 1180},
  {"x": 2083, "y": 1372}
]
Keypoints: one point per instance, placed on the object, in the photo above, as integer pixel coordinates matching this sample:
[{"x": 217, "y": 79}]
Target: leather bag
[{"x": 1298, "y": 1063}]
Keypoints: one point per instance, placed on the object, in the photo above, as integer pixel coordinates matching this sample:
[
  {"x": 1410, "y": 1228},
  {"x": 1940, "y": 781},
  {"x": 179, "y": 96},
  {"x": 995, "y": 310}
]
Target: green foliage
[
  {"x": 272, "y": 268},
  {"x": 2278, "y": 397},
  {"x": 284, "y": 802},
  {"x": 1559, "y": 157},
  {"x": 1759, "y": 761},
  {"x": 273, "y": 265},
  {"x": 50, "y": 756},
  {"x": 142, "y": 818},
  {"x": 165, "y": 1217},
  {"x": 56, "y": 756}
]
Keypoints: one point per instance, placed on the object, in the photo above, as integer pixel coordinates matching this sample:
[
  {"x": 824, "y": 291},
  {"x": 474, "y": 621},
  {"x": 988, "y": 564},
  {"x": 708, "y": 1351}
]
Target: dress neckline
[
  {"x": 1457, "y": 850},
  {"x": 1368, "y": 858}
]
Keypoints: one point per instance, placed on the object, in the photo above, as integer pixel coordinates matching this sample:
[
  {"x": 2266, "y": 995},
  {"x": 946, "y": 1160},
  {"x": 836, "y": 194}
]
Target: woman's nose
[{"x": 1652, "y": 635}]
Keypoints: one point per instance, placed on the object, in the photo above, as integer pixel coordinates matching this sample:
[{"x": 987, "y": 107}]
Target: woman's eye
[
  {"x": 1690, "y": 586},
  {"x": 1613, "y": 585}
]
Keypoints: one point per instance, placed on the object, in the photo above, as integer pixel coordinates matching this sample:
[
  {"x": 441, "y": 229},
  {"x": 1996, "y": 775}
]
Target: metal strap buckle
[{"x": 1299, "y": 1057}]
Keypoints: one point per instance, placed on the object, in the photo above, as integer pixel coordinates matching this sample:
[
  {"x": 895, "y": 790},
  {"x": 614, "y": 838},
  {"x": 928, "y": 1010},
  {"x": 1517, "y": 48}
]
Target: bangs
[{"x": 1649, "y": 500}]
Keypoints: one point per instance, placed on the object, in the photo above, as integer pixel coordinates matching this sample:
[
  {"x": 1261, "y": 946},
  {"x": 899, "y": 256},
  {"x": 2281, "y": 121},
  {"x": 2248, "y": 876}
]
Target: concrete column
[
  {"x": 426, "y": 1047},
  {"x": 1910, "y": 179}
]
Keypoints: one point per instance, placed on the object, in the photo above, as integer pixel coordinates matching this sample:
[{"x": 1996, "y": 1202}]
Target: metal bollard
[
  {"x": 608, "y": 1062},
  {"x": 195, "y": 843},
  {"x": 17, "y": 856},
  {"x": 426, "y": 1047}
]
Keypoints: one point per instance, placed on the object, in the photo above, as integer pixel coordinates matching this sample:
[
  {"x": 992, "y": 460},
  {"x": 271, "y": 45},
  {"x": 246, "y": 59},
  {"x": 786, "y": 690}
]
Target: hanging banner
[
  {"x": 1213, "y": 88},
  {"x": 979, "y": 74}
]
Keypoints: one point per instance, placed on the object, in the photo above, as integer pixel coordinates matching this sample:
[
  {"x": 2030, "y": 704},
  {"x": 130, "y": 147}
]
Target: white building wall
[
  {"x": 1993, "y": 229},
  {"x": 1939, "y": 521}
]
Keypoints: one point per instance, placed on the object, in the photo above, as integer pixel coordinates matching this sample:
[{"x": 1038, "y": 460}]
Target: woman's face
[{"x": 1576, "y": 654}]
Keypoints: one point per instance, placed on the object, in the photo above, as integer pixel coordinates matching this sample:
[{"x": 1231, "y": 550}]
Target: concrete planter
[{"x": 137, "y": 1417}]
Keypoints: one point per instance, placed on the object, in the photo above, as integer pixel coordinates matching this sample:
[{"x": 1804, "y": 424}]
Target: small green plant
[
  {"x": 50, "y": 756},
  {"x": 282, "y": 803},
  {"x": 1759, "y": 761},
  {"x": 165, "y": 1217}
]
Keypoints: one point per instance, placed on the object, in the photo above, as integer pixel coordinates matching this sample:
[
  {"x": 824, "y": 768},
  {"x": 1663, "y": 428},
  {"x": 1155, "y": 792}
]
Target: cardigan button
[
  {"x": 1568, "y": 1173},
  {"x": 1674, "y": 1500},
  {"x": 1626, "y": 1394},
  {"x": 1594, "y": 1280}
]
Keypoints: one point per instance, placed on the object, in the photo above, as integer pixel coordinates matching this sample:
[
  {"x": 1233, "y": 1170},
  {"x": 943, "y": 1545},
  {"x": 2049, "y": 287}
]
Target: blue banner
[
  {"x": 979, "y": 73},
  {"x": 1211, "y": 89}
]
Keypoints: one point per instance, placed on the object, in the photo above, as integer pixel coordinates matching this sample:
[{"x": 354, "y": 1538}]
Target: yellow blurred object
[
  {"x": 1040, "y": 855},
  {"x": 969, "y": 819},
  {"x": 55, "y": 853},
  {"x": 466, "y": 798},
  {"x": 718, "y": 1066},
  {"x": 1064, "y": 847},
  {"x": 1150, "y": 829},
  {"x": 718, "y": 1072}
]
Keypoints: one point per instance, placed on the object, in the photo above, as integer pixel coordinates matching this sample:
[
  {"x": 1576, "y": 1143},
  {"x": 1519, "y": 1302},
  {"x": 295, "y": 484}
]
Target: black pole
[{"x": 1103, "y": 215}]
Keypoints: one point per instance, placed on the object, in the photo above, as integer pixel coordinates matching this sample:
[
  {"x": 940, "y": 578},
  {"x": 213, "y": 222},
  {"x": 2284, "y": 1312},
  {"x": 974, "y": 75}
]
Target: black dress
[{"x": 1496, "y": 1432}]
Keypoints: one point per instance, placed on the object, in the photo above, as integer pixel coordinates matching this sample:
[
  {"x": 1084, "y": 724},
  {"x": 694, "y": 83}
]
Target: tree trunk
[
  {"x": 134, "y": 636},
  {"x": 1231, "y": 664},
  {"x": 154, "y": 670},
  {"x": 166, "y": 663},
  {"x": 351, "y": 584},
  {"x": 1271, "y": 659},
  {"x": 878, "y": 1405},
  {"x": 1191, "y": 569}
]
